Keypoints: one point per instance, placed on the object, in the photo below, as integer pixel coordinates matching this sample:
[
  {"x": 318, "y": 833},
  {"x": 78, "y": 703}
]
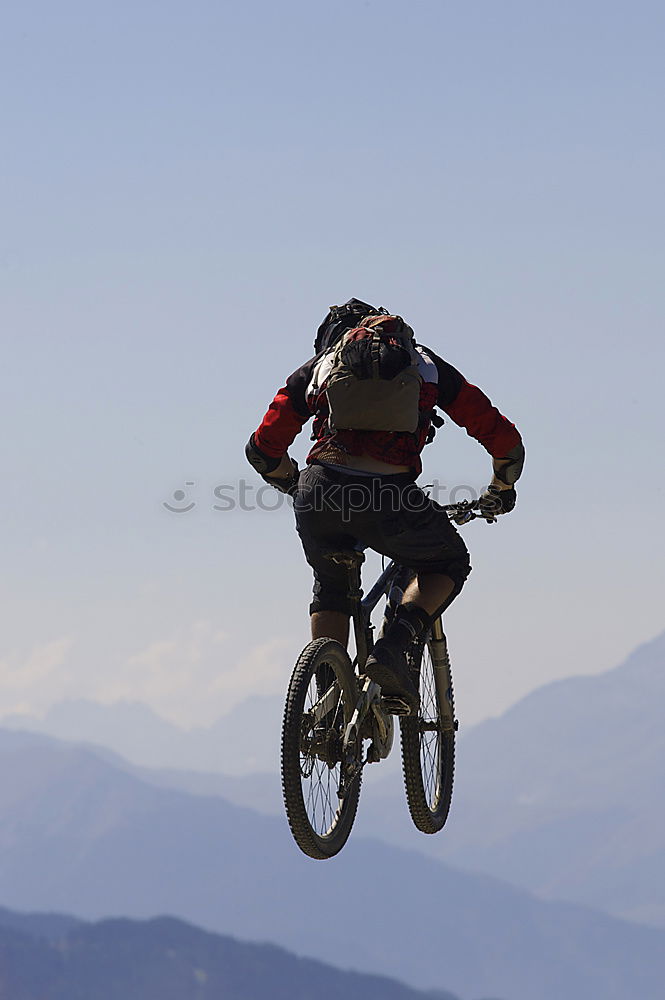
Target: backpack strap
[
  {"x": 391, "y": 325},
  {"x": 376, "y": 357},
  {"x": 436, "y": 421}
]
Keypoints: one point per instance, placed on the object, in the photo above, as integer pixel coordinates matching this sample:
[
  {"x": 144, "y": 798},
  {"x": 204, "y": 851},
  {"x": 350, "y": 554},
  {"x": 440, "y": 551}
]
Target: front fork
[{"x": 442, "y": 677}]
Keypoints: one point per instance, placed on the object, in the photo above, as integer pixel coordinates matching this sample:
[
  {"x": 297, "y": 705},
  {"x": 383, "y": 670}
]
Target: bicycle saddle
[{"x": 346, "y": 557}]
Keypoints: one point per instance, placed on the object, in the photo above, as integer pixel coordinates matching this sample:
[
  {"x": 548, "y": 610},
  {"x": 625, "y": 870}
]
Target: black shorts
[{"x": 390, "y": 514}]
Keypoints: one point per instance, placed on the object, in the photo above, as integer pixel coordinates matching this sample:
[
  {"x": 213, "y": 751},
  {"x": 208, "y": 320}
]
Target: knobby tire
[
  {"x": 320, "y": 822},
  {"x": 428, "y": 755}
]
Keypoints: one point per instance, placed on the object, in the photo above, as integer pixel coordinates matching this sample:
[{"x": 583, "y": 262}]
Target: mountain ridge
[
  {"x": 79, "y": 836},
  {"x": 559, "y": 795},
  {"x": 51, "y": 956}
]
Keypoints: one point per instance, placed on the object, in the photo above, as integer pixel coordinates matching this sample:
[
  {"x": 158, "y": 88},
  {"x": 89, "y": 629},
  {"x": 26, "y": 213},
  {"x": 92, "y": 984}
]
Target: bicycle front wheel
[
  {"x": 428, "y": 739},
  {"x": 320, "y": 701}
]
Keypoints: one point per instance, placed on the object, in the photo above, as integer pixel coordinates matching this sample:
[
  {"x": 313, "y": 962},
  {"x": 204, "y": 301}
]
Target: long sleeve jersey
[{"x": 303, "y": 397}]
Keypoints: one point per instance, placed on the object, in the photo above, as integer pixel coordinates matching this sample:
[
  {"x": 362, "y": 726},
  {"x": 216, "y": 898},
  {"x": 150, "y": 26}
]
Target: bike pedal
[{"x": 395, "y": 706}]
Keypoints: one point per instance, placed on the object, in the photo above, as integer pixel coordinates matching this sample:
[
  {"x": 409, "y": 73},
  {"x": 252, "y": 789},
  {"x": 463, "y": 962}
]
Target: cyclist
[{"x": 359, "y": 486}]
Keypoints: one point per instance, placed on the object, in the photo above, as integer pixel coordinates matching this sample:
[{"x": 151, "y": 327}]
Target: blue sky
[{"x": 186, "y": 188}]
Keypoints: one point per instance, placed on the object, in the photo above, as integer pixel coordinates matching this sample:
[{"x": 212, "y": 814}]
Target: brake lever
[{"x": 464, "y": 516}]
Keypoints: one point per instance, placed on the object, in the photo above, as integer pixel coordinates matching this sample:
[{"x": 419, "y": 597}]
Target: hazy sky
[{"x": 187, "y": 187}]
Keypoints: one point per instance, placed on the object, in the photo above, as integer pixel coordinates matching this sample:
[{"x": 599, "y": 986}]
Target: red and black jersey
[{"x": 443, "y": 386}]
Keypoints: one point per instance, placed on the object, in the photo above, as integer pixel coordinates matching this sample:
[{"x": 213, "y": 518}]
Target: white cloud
[
  {"x": 194, "y": 676},
  {"x": 174, "y": 675},
  {"x": 263, "y": 670},
  {"x": 191, "y": 676},
  {"x": 22, "y": 674}
]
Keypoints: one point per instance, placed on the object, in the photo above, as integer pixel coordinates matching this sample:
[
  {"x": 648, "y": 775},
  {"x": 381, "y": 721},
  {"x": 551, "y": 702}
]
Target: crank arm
[
  {"x": 352, "y": 746},
  {"x": 325, "y": 704},
  {"x": 352, "y": 732}
]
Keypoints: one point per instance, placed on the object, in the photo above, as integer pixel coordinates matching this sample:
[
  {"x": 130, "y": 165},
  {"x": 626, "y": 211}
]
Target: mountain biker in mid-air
[{"x": 372, "y": 392}]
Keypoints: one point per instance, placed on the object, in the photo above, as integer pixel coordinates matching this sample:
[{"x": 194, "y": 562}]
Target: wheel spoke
[
  {"x": 428, "y": 744},
  {"x": 320, "y": 778},
  {"x": 321, "y": 696},
  {"x": 430, "y": 735}
]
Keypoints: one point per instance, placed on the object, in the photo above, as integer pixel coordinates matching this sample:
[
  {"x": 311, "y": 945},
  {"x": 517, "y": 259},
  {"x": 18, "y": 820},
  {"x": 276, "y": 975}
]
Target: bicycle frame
[
  {"x": 387, "y": 585},
  {"x": 362, "y": 607}
]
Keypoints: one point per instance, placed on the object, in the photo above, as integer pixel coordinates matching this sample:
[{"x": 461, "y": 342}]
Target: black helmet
[{"x": 341, "y": 318}]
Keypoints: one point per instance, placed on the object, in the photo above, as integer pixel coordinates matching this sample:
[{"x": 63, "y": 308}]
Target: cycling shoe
[{"x": 388, "y": 668}]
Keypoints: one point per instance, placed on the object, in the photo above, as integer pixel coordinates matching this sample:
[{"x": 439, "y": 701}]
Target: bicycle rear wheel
[
  {"x": 312, "y": 735},
  {"x": 428, "y": 739}
]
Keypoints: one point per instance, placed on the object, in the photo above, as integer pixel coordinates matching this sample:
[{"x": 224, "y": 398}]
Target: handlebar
[{"x": 467, "y": 510}]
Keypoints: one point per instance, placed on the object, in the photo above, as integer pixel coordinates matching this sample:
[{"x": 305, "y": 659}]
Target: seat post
[
  {"x": 353, "y": 564},
  {"x": 353, "y": 560}
]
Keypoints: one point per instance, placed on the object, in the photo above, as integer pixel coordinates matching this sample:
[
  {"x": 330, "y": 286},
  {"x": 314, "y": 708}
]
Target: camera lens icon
[{"x": 179, "y": 496}]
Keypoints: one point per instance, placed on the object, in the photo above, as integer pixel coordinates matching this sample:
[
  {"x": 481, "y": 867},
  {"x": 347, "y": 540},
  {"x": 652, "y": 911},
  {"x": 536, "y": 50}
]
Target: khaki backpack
[{"x": 374, "y": 384}]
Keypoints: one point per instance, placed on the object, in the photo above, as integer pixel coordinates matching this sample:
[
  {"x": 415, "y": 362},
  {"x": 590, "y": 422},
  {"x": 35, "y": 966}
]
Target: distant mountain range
[
  {"x": 561, "y": 795},
  {"x": 242, "y": 742},
  {"x": 46, "y": 957},
  {"x": 78, "y": 835}
]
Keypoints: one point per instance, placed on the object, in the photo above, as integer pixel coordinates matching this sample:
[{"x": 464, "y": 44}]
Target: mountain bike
[{"x": 336, "y": 720}]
